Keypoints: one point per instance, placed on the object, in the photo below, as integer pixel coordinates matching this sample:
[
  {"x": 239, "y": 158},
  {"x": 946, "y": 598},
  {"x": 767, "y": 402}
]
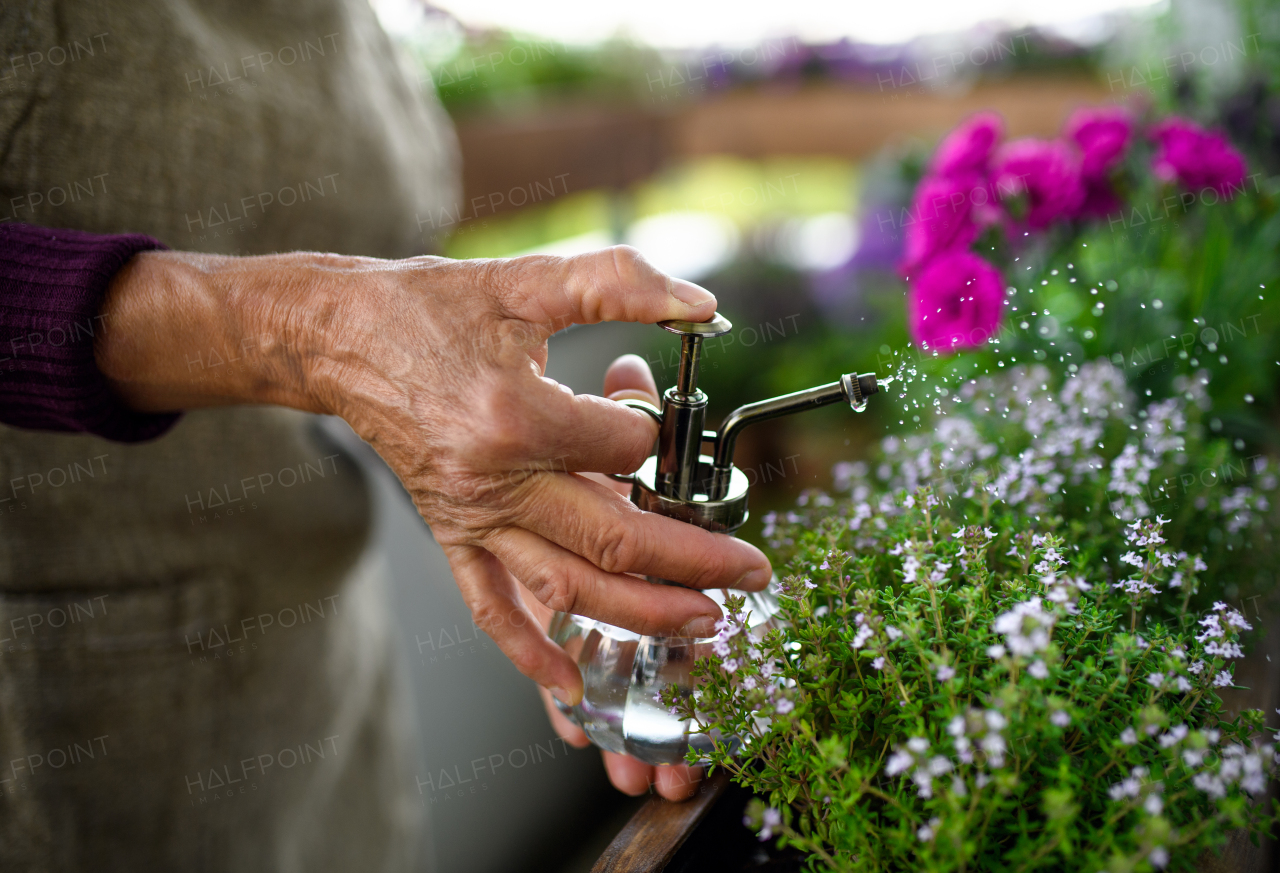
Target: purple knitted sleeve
[{"x": 52, "y": 283}]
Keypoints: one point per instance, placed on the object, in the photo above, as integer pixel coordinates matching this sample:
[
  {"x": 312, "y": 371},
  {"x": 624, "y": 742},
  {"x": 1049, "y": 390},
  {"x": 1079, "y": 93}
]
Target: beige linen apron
[{"x": 195, "y": 667}]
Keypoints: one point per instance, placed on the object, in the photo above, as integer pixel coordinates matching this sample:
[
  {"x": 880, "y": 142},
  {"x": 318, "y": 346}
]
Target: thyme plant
[
  {"x": 991, "y": 654},
  {"x": 1080, "y": 446}
]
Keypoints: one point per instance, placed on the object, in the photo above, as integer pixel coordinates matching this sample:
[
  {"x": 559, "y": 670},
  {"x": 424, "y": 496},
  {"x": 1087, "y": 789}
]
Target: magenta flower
[
  {"x": 941, "y": 218},
  {"x": 956, "y": 199},
  {"x": 967, "y": 149},
  {"x": 1196, "y": 157},
  {"x": 1103, "y": 134},
  {"x": 956, "y": 302},
  {"x": 1047, "y": 172}
]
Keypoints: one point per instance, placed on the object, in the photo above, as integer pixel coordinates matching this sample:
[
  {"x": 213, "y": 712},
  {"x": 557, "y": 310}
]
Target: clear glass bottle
[{"x": 623, "y": 673}]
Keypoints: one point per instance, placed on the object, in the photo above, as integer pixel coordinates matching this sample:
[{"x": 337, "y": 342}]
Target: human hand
[{"x": 438, "y": 365}]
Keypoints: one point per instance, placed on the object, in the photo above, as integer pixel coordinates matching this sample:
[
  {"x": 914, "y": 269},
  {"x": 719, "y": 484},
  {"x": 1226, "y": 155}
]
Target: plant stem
[
  {"x": 937, "y": 616},
  {"x": 876, "y": 792},
  {"x": 1044, "y": 850}
]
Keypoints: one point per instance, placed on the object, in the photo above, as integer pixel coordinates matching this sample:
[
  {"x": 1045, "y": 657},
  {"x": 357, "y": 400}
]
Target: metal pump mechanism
[
  {"x": 708, "y": 490},
  {"x": 624, "y": 673}
]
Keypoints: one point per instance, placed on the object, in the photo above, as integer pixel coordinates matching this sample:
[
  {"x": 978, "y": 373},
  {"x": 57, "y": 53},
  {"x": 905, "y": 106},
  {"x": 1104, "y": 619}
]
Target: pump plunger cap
[{"x": 717, "y": 326}]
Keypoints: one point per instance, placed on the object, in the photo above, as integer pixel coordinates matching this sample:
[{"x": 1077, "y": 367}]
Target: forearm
[{"x": 185, "y": 330}]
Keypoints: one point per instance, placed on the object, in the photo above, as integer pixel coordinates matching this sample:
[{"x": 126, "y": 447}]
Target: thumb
[
  {"x": 614, "y": 284},
  {"x": 629, "y": 378}
]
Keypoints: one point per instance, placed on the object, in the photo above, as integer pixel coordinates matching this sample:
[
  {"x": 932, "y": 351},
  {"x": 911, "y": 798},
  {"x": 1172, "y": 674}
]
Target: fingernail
[
  {"x": 756, "y": 580},
  {"x": 702, "y": 626},
  {"x": 561, "y": 695},
  {"x": 690, "y": 294}
]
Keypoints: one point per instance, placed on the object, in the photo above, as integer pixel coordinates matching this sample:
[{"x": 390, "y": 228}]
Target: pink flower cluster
[
  {"x": 956, "y": 298},
  {"x": 1197, "y": 158}
]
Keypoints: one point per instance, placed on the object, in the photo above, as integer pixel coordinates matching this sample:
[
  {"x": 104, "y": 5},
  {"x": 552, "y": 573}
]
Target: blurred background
[{"x": 767, "y": 152}]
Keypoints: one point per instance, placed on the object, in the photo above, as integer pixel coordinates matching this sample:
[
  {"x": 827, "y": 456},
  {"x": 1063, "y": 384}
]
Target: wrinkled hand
[
  {"x": 447, "y": 385},
  {"x": 438, "y": 365}
]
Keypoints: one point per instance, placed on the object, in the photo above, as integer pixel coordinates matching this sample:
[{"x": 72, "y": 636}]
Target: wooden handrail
[{"x": 656, "y": 832}]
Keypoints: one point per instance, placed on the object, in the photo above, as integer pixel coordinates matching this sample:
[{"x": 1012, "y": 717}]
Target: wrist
[
  {"x": 185, "y": 330},
  {"x": 285, "y": 313}
]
